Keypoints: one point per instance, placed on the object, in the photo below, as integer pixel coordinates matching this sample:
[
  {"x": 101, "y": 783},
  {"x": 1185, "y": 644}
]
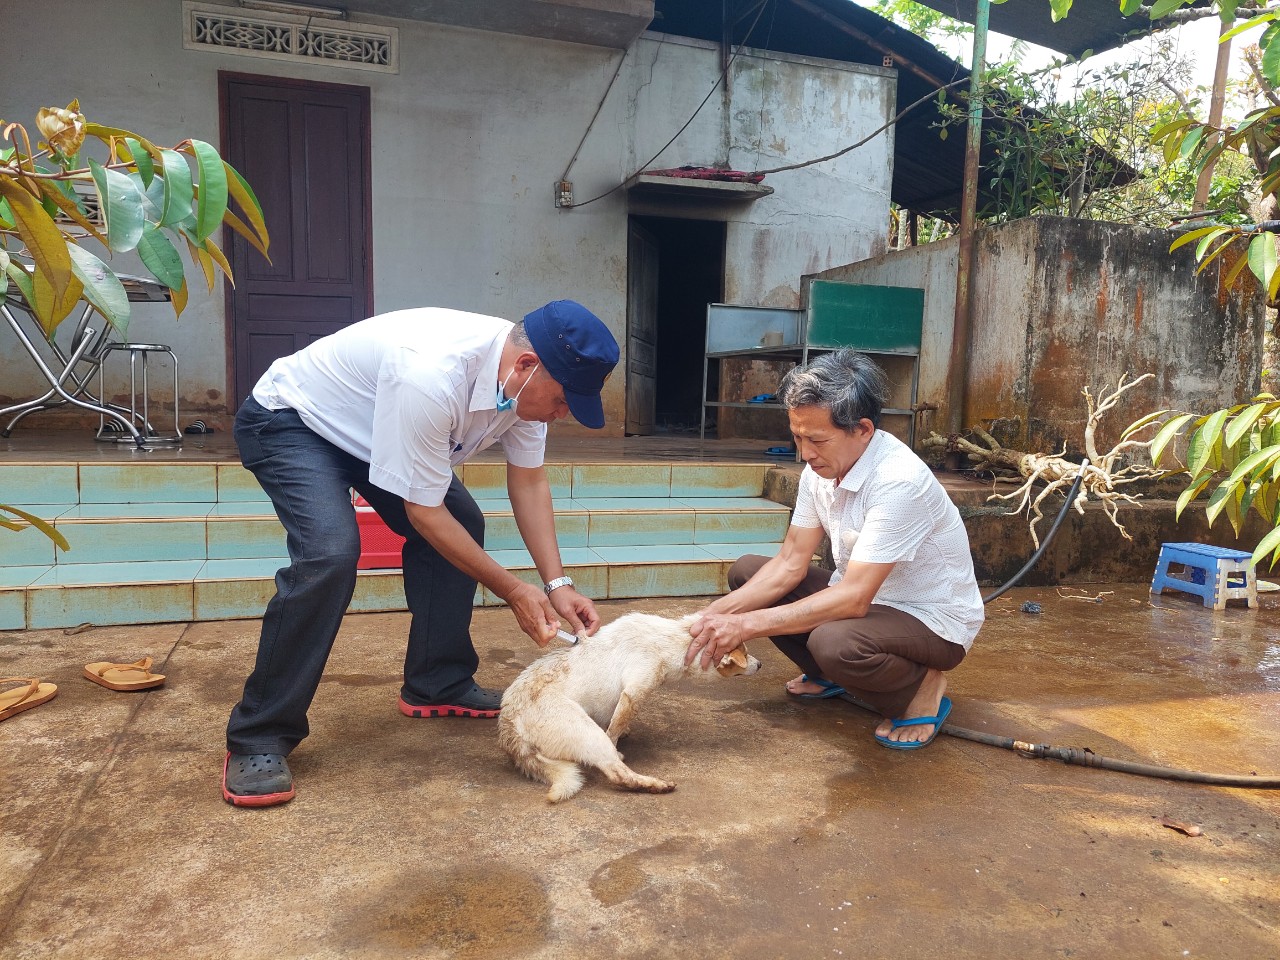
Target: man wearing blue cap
[{"x": 389, "y": 406}]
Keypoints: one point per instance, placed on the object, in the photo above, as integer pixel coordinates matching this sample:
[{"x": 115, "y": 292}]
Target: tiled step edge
[{"x": 228, "y": 589}]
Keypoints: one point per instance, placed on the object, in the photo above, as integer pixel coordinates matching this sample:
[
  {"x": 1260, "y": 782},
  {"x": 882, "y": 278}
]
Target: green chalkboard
[{"x": 866, "y": 317}]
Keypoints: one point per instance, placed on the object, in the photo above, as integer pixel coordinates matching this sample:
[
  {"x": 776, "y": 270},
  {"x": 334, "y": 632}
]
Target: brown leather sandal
[
  {"x": 124, "y": 676},
  {"x": 32, "y": 693}
]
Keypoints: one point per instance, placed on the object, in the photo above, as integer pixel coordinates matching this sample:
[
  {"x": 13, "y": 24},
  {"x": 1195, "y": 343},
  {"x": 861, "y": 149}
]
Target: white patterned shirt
[{"x": 891, "y": 509}]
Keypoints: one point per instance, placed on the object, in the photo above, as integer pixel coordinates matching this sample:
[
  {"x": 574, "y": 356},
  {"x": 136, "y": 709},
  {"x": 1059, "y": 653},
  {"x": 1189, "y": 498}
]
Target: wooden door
[
  {"x": 642, "y": 328},
  {"x": 304, "y": 148}
]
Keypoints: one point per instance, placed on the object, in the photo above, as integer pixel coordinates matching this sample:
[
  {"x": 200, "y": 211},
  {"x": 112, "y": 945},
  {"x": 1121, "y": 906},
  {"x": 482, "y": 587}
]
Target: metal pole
[{"x": 959, "y": 367}]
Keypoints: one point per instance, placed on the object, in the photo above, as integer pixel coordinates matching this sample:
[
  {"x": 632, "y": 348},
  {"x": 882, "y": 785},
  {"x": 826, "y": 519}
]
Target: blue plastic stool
[{"x": 1214, "y": 574}]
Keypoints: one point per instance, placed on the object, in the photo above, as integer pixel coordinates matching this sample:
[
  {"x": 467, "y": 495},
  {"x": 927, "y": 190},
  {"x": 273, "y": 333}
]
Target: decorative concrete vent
[{"x": 281, "y": 36}]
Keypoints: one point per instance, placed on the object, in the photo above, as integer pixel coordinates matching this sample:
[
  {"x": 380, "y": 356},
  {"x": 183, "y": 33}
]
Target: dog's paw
[{"x": 661, "y": 786}]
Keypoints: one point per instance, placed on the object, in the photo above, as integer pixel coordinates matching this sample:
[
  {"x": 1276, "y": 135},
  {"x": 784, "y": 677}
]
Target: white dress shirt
[
  {"x": 891, "y": 509},
  {"x": 412, "y": 393}
]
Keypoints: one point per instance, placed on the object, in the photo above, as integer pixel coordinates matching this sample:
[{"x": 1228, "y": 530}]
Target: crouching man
[{"x": 902, "y": 606}]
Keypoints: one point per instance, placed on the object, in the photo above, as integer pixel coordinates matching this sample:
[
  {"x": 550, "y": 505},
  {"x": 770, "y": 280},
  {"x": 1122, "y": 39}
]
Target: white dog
[{"x": 571, "y": 706}]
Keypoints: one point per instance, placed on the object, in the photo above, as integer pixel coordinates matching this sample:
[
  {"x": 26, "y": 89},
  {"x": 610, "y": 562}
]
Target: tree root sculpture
[{"x": 1101, "y": 476}]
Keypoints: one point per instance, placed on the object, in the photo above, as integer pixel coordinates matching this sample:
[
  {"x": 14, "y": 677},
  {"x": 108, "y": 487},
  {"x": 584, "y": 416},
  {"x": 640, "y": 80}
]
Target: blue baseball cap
[{"x": 579, "y": 352}]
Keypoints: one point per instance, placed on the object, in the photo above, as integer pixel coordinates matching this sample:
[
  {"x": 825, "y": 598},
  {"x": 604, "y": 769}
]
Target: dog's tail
[{"x": 563, "y": 776}]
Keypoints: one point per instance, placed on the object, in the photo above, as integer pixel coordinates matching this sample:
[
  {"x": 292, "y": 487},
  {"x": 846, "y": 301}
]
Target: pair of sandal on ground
[
  {"x": 264, "y": 779},
  {"x": 830, "y": 690},
  {"x": 32, "y": 691}
]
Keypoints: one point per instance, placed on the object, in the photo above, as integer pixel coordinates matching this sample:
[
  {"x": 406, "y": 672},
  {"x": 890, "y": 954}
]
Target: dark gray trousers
[{"x": 308, "y": 480}]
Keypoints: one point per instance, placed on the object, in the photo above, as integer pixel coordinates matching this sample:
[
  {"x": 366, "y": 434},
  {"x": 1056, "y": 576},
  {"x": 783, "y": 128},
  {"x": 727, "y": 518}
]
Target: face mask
[{"x": 505, "y": 405}]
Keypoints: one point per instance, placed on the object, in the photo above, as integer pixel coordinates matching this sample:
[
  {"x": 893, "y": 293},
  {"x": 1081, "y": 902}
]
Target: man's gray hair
[
  {"x": 846, "y": 383},
  {"x": 519, "y": 337}
]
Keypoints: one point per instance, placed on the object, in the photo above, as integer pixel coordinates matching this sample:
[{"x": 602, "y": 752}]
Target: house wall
[
  {"x": 1062, "y": 304},
  {"x": 468, "y": 140}
]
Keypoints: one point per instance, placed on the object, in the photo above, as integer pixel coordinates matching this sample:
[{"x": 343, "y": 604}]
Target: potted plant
[{"x": 153, "y": 200}]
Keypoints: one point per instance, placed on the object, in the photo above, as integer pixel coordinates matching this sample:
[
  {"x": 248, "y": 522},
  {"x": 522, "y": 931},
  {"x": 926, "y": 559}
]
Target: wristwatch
[{"x": 558, "y": 582}]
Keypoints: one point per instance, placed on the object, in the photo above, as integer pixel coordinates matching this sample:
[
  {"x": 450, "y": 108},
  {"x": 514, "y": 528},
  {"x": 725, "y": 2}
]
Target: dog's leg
[
  {"x": 620, "y": 724},
  {"x": 623, "y": 776},
  {"x": 594, "y": 747}
]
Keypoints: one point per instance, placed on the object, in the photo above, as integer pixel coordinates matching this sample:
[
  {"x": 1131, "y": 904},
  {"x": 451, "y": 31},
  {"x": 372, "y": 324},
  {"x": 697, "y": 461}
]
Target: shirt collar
[
  {"x": 866, "y": 465},
  {"x": 484, "y": 393}
]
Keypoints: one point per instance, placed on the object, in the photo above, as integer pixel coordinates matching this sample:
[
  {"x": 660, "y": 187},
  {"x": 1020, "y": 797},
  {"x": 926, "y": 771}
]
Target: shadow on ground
[{"x": 792, "y": 834}]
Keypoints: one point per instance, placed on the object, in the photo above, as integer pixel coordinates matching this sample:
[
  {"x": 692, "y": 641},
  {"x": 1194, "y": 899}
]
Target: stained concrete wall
[
  {"x": 468, "y": 139},
  {"x": 1062, "y": 304}
]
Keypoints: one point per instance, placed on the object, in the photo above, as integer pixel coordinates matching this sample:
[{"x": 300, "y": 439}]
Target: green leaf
[
  {"x": 1262, "y": 257},
  {"x": 211, "y": 201},
  {"x": 102, "y": 288},
  {"x": 1237, "y": 268},
  {"x": 1271, "y": 54},
  {"x": 1207, "y": 239},
  {"x": 1235, "y": 508},
  {"x": 1264, "y": 502},
  {"x": 1258, "y": 462},
  {"x": 54, "y": 289},
  {"x": 1161, "y": 7},
  {"x": 1191, "y": 492},
  {"x": 1268, "y": 544},
  {"x": 1244, "y": 422},
  {"x": 1167, "y": 433},
  {"x": 1059, "y": 8},
  {"x": 1129, "y": 7},
  {"x": 1143, "y": 423},
  {"x": 1191, "y": 141},
  {"x": 22, "y": 280},
  {"x": 1162, "y": 131},
  {"x": 1210, "y": 436},
  {"x": 1218, "y": 501},
  {"x": 248, "y": 200},
  {"x": 176, "y": 205},
  {"x": 1216, "y": 252},
  {"x": 1249, "y": 24},
  {"x": 160, "y": 256},
  {"x": 141, "y": 159},
  {"x": 122, "y": 206},
  {"x": 1191, "y": 236}
]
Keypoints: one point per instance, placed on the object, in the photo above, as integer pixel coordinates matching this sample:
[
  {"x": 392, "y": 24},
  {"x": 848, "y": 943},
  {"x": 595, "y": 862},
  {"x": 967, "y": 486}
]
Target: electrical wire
[
  {"x": 868, "y": 138},
  {"x": 586, "y": 133},
  {"x": 714, "y": 88}
]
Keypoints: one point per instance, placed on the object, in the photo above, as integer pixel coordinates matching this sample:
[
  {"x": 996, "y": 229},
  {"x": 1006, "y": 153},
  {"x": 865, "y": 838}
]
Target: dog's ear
[{"x": 733, "y": 663}]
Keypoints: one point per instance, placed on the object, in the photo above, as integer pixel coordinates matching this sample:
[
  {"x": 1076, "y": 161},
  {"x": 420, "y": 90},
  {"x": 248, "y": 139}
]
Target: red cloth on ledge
[{"x": 707, "y": 173}]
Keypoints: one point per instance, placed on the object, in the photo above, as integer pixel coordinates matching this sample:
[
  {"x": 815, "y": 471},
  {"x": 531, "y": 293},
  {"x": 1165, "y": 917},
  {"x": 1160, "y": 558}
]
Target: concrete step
[{"x": 157, "y": 542}]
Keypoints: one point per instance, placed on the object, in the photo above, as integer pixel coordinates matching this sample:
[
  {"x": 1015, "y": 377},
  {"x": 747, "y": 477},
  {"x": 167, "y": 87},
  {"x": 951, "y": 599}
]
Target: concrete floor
[{"x": 792, "y": 834}]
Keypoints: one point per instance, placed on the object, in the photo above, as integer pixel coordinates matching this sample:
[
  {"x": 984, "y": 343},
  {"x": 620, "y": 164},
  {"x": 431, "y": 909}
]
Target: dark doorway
[
  {"x": 304, "y": 148},
  {"x": 690, "y": 275}
]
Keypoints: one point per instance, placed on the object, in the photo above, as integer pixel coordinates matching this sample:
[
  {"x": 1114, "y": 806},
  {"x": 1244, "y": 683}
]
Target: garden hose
[
  {"x": 1083, "y": 756},
  {"x": 1057, "y": 522}
]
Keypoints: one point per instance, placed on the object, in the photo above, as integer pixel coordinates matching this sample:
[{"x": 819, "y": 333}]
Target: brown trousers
[{"x": 880, "y": 659}]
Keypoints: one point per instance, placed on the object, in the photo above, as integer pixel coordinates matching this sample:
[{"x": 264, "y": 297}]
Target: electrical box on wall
[{"x": 564, "y": 193}]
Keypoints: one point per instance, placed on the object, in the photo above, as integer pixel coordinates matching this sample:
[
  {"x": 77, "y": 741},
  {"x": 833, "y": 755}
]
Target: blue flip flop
[
  {"x": 829, "y": 689},
  {"x": 944, "y": 710}
]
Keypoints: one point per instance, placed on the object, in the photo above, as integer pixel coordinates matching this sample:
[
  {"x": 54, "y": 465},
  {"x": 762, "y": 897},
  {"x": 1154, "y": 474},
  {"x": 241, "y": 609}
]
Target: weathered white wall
[{"x": 468, "y": 140}]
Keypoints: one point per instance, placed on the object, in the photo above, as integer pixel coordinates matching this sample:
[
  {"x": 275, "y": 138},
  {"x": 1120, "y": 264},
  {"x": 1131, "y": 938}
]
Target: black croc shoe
[
  {"x": 476, "y": 702},
  {"x": 256, "y": 780}
]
